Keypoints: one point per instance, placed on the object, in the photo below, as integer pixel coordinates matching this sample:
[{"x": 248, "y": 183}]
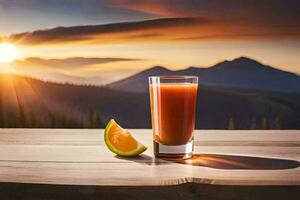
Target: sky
[{"x": 101, "y": 41}]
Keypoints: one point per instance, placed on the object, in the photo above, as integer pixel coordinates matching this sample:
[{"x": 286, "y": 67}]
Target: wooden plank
[
  {"x": 19, "y": 191},
  {"x": 99, "y": 153},
  {"x": 79, "y": 157},
  {"x": 139, "y": 174},
  {"x": 94, "y": 137}
]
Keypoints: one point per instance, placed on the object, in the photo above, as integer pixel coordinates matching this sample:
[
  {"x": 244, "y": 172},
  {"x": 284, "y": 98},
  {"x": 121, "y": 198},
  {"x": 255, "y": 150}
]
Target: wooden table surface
[{"x": 80, "y": 157}]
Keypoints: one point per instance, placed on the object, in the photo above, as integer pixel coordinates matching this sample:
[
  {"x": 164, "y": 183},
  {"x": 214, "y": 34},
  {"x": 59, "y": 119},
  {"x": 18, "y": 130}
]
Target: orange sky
[{"x": 155, "y": 32}]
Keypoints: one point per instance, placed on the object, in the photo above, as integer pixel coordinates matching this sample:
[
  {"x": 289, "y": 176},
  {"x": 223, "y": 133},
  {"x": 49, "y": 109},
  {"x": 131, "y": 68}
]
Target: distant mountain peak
[
  {"x": 247, "y": 60},
  {"x": 244, "y": 58},
  {"x": 192, "y": 68},
  {"x": 241, "y": 63},
  {"x": 156, "y": 69}
]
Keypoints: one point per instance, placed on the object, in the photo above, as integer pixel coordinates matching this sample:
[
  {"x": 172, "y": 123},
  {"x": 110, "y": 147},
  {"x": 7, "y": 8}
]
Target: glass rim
[{"x": 174, "y": 77}]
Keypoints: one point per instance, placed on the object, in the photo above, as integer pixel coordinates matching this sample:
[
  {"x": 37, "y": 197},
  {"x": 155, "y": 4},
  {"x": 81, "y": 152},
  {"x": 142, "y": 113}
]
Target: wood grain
[{"x": 79, "y": 157}]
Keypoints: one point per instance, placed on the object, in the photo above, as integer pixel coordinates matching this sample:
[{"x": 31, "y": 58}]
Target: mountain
[
  {"x": 27, "y": 102},
  {"x": 240, "y": 73}
]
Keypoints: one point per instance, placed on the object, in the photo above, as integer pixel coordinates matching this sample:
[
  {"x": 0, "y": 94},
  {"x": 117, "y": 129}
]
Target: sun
[{"x": 8, "y": 52}]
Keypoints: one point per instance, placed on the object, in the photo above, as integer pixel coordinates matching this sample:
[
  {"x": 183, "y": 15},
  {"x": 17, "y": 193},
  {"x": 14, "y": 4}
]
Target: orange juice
[{"x": 173, "y": 107}]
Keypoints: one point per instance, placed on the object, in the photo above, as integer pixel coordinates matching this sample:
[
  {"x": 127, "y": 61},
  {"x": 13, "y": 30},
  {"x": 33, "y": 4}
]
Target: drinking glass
[{"x": 173, "y": 107}]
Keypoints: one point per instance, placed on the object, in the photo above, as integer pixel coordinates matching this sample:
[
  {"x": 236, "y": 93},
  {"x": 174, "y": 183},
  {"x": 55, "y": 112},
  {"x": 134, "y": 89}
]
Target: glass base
[{"x": 173, "y": 151}]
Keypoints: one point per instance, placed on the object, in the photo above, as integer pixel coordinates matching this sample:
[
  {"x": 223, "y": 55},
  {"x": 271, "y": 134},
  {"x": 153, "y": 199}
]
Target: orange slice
[{"x": 121, "y": 142}]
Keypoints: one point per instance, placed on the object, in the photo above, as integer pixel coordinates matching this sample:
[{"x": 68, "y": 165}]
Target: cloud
[
  {"x": 263, "y": 14},
  {"x": 107, "y": 33},
  {"x": 233, "y": 9},
  {"x": 78, "y": 70},
  {"x": 73, "y": 62},
  {"x": 157, "y": 7},
  {"x": 158, "y": 30}
]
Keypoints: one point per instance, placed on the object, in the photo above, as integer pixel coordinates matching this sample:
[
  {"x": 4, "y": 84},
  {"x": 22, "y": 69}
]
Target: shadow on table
[
  {"x": 219, "y": 161},
  {"x": 145, "y": 160}
]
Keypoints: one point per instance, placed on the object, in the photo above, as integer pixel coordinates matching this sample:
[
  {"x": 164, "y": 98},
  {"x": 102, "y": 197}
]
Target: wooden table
[{"x": 59, "y": 163}]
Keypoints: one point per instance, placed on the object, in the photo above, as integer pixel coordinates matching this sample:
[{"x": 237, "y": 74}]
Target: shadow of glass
[
  {"x": 219, "y": 161},
  {"x": 144, "y": 159}
]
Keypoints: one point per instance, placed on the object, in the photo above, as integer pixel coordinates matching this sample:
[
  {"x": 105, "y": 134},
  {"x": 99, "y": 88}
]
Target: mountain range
[
  {"x": 27, "y": 102},
  {"x": 240, "y": 73}
]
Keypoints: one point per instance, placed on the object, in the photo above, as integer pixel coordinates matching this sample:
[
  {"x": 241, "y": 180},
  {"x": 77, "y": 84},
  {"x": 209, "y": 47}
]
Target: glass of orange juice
[{"x": 173, "y": 107}]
